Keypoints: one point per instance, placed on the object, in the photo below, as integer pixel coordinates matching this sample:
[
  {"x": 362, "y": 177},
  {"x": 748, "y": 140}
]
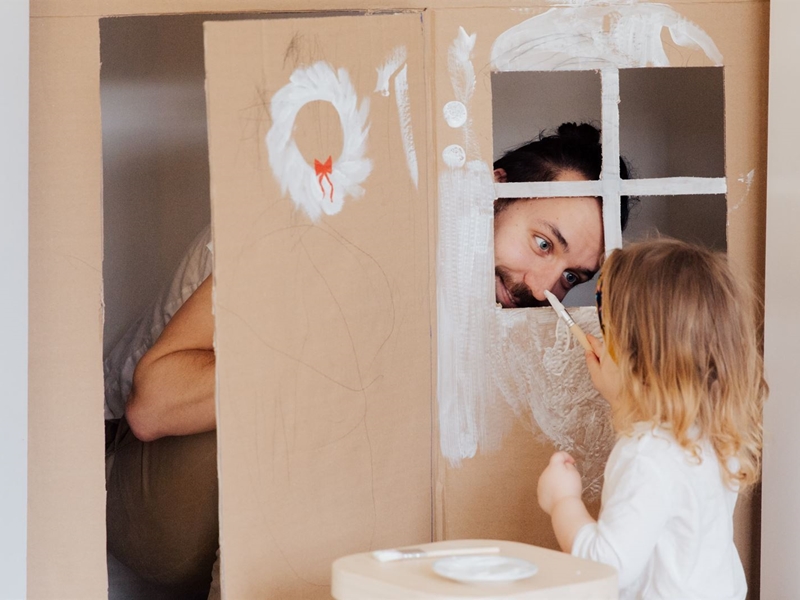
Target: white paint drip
[
  {"x": 316, "y": 194},
  {"x": 748, "y": 181},
  {"x": 454, "y": 156},
  {"x": 406, "y": 131},
  {"x": 465, "y": 301},
  {"x": 455, "y": 114},
  {"x": 583, "y": 36},
  {"x": 387, "y": 69}
]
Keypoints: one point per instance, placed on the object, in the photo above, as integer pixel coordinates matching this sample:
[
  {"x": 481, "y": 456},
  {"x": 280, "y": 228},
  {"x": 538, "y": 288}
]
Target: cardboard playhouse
[{"x": 370, "y": 394}]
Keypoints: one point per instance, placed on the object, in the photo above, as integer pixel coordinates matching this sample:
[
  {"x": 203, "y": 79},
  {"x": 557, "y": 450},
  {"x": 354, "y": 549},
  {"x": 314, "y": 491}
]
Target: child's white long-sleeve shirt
[{"x": 666, "y": 522}]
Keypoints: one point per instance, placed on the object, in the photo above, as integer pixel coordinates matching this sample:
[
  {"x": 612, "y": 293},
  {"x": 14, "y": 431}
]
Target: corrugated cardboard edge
[
  {"x": 66, "y": 485},
  {"x": 98, "y": 8}
]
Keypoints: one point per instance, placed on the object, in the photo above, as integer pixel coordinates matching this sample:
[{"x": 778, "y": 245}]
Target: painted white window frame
[
  {"x": 610, "y": 186},
  {"x": 14, "y": 40}
]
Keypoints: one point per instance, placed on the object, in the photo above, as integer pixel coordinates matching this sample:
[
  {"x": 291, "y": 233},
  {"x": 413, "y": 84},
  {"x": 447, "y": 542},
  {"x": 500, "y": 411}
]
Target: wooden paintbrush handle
[{"x": 581, "y": 337}]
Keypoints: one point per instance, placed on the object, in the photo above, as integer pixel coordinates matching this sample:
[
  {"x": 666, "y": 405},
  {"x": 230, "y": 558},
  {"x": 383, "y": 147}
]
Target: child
[{"x": 682, "y": 372}]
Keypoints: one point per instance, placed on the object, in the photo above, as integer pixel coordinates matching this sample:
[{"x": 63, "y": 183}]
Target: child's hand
[
  {"x": 603, "y": 370},
  {"x": 558, "y": 481}
]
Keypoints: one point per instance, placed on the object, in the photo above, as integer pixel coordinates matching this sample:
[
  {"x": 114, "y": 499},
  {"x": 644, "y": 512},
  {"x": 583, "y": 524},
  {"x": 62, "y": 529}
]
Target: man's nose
[{"x": 545, "y": 279}]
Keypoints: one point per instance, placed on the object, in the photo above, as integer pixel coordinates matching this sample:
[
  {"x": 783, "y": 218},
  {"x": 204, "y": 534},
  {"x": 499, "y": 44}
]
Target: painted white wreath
[{"x": 323, "y": 187}]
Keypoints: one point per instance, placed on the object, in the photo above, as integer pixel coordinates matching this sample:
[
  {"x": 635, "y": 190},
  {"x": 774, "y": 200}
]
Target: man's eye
[
  {"x": 543, "y": 244},
  {"x": 571, "y": 278}
]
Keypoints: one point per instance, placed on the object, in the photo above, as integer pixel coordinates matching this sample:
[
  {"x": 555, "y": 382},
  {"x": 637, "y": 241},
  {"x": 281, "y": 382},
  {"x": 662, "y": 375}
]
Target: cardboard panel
[
  {"x": 494, "y": 494},
  {"x": 323, "y": 324},
  {"x": 62, "y": 8},
  {"x": 66, "y": 485},
  {"x": 275, "y": 480}
]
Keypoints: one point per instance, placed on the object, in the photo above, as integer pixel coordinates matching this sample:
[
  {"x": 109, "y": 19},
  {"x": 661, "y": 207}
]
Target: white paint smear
[
  {"x": 310, "y": 191},
  {"x": 406, "y": 131},
  {"x": 495, "y": 366},
  {"x": 387, "y": 69},
  {"x": 454, "y": 156},
  {"x": 748, "y": 181},
  {"x": 455, "y": 113},
  {"x": 593, "y": 37}
]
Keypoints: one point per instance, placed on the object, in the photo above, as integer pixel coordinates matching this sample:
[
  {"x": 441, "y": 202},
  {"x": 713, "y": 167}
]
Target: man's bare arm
[{"x": 173, "y": 385}]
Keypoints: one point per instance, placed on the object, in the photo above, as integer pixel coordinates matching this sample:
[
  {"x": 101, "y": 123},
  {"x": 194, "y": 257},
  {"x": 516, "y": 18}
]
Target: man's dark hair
[{"x": 572, "y": 148}]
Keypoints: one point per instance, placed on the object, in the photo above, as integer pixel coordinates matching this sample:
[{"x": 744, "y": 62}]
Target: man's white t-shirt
[
  {"x": 121, "y": 362},
  {"x": 666, "y": 521}
]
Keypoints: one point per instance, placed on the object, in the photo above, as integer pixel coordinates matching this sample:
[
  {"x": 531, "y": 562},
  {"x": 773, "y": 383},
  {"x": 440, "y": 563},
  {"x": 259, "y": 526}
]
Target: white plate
[{"x": 484, "y": 568}]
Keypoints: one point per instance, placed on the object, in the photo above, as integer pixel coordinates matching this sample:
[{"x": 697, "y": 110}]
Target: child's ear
[{"x": 500, "y": 176}]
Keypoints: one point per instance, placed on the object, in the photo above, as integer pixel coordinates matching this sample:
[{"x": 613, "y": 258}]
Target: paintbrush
[
  {"x": 573, "y": 326},
  {"x": 407, "y": 553}
]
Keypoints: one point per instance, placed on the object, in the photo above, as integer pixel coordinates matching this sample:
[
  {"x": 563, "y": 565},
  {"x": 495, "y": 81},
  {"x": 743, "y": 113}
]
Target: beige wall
[{"x": 780, "y": 545}]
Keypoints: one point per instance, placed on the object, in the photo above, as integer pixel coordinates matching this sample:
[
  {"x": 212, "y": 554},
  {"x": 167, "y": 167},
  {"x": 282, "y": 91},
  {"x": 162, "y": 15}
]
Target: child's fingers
[
  {"x": 597, "y": 345},
  {"x": 561, "y": 458}
]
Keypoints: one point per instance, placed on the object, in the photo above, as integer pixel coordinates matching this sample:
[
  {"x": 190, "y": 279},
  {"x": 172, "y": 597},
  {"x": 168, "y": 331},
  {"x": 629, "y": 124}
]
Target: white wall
[
  {"x": 155, "y": 157},
  {"x": 671, "y": 124},
  {"x": 14, "y": 297},
  {"x": 780, "y": 532}
]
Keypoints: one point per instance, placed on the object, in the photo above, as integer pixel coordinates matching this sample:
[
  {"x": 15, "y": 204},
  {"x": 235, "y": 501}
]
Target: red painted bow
[{"x": 323, "y": 171}]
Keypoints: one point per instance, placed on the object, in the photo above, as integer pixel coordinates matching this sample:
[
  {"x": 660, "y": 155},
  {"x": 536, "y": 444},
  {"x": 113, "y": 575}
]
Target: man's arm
[{"x": 174, "y": 382}]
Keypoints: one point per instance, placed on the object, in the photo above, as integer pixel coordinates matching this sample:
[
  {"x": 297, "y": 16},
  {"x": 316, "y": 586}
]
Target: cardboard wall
[
  {"x": 66, "y": 487},
  {"x": 489, "y": 496}
]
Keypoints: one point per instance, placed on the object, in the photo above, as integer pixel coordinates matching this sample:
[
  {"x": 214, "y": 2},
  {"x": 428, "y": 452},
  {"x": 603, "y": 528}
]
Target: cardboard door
[{"x": 317, "y": 136}]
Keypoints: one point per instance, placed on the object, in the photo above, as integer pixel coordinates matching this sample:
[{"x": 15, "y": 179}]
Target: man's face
[{"x": 546, "y": 244}]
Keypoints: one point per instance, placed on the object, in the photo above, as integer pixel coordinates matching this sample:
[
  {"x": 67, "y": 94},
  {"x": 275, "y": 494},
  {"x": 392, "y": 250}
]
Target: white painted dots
[
  {"x": 454, "y": 156},
  {"x": 455, "y": 114}
]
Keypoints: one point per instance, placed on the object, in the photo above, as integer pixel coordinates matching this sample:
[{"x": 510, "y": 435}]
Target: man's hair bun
[{"x": 584, "y": 133}]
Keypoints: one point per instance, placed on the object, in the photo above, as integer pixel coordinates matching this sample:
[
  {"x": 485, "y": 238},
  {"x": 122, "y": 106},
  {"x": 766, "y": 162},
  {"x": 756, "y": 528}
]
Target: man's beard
[{"x": 520, "y": 293}]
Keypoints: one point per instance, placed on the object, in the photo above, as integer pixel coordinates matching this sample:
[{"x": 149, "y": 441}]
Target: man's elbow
[{"x": 142, "y": 420}]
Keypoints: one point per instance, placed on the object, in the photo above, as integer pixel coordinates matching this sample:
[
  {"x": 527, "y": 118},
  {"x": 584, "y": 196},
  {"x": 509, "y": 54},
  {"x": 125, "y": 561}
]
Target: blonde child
[{"x": 682, "y": 371}]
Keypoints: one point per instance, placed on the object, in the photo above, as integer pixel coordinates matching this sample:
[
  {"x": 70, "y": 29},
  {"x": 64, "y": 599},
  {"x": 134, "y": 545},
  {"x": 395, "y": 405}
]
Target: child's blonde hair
[{"x": 683, "y": 331}]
